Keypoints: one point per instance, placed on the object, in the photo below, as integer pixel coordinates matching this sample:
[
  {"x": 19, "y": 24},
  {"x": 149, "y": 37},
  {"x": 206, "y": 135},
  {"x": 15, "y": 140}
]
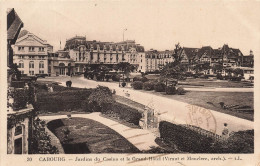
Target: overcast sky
[{"x": 158, "y": 25}]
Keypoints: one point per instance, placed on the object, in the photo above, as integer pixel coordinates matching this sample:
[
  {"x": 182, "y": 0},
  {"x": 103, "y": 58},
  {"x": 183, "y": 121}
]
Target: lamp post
[{"x": 124, "y": 34}]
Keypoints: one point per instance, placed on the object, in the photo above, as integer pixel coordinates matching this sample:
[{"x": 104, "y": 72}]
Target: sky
[{"x": 153, "y": 24}]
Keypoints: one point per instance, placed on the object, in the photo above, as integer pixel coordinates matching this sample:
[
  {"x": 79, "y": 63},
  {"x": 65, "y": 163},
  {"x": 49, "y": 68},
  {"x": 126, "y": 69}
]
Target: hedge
[
  {"x": 142, "y": 79},
  {"x": 61, "y": 100},
  {"x": 159, "y": 87},
  {"x": 137, "y": 85},
  {"x": 115, "y": 77},
  {"x": 180, "y": 91},
  {"x": 170, "y": 90},
  {"x": 148, "y": 85},
  {"x": 184, "y": 138},
  {"x": 188, "y": 140},
  {"x": 124, "y": 113}
]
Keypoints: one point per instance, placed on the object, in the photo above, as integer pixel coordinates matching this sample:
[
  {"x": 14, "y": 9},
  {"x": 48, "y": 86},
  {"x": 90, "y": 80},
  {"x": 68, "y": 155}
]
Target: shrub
[
  {"x": 99, "y": 100},
  {"x": 184, "y": 138},
  {"x": 41, "y": 141},
  {"x": 235, "y": 78},
  {"x": 115, "y": 77},
  {"x": 137, "y": 85},
  {"x": 148, "y": 85},
  {"x": 239, "y": 142},
  {"x": 21, "y": 97},
  {"x": 159, "y": 87},
  {"x": 143, "y": 79},
  {"x": 137, "y": 79},
  {"x": 125, "y": 113},
  {"x": 64, "y": 99},
  {"x": 123, "y": 84},
  {"x": 170, "y": 90},
  {"x": 68, "y": 83},
  {"x": 219, "y": 76},
  {"x": 180, "y": 91}
]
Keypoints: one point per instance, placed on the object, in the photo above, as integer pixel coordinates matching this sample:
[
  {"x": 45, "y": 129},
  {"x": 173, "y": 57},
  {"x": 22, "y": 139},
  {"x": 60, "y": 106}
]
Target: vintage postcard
[{"x": 98, "y": 82}]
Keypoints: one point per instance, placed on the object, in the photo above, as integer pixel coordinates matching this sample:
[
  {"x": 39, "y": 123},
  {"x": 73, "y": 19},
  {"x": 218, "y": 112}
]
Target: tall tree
[
  {"x": 175, "y": 69},
  {"x": 126, "y": 68}
]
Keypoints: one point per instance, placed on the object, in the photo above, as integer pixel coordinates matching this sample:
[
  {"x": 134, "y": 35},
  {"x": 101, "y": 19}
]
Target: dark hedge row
[
  {"x": 124, "y": 113},
  {"x": 188, "y": 140}
]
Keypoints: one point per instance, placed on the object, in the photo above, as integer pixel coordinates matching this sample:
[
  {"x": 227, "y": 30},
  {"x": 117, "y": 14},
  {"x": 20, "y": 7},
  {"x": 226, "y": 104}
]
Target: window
[
  {"x": 31, "y": 57},
  {"x": 20, "y": 48},
  {"x": 41, "y": 49},
  {"x": 41, "y": 64},
  {"x": 31, "y": 49},
  {"x": 21, "y": 64},
  {"x": 18, "y": 140},
  {"x": 41, "y": 71},
  {"x": 31, "y": 72},
  {"x": 31, "y": 64}
]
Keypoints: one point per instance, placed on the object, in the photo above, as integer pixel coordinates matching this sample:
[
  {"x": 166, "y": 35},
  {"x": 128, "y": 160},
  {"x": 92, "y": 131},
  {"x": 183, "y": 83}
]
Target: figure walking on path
[{"x": 225, "y": 131}]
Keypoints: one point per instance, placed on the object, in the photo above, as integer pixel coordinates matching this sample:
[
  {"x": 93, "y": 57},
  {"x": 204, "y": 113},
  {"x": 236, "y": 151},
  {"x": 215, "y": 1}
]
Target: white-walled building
[
  {"x": 31, "y": 54},
  {"x": 108, "y": 53}
]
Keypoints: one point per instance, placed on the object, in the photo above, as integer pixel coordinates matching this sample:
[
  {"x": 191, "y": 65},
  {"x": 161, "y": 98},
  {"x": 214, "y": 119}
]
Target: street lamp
[{"x": 124, "y": 34}]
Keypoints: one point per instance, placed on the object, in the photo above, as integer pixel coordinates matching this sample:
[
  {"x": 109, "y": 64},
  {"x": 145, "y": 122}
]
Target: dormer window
[
  {"x": 31, "y": 49},
  {"x": 20, "y": 48},
  {"x": 41, "y": 49}
]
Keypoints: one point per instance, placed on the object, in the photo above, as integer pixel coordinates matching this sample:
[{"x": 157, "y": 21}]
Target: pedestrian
[{"x": 225, "y": 131}]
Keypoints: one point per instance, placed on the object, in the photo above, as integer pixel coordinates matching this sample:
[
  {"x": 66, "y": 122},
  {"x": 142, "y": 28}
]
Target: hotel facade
[{"x": 85, "y": 52}]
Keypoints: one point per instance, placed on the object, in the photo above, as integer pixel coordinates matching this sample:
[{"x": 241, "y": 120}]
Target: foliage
[
  {"x": 62, "y": 99},
  {"x": 191, "y": 141},
  {"x": 143, "y": 79},
  {"x": 68, "y": 83},
  {"x": 41, "y": 141},
  {"x": 123, "y": 84},
  {"x": 170, "y": 90},
  {"x": 219, "y": 76},
  {"x": 148, "y": 85},
  {"x": 159, "y": 87},
  {"x": 115, "y": 77},
  {"x": 14, "y": 71},
  {"x": 99, "y": 100},
  {"x": 137, "y": 85},
  {"x": 180, "y": 91},
  {"x": 217, "y": 68},
  {"x": 238, "y": 142},
  {"x": 184, "y": 138},
  {"x": 124, "y": 113},
  {"x": 21, "y": 98}
]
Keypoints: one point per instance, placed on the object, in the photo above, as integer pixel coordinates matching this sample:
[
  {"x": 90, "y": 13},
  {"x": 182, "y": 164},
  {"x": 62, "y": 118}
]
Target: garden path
[
  {"x": 169, "y": 109},
  {"x": 141, "y": 139}
]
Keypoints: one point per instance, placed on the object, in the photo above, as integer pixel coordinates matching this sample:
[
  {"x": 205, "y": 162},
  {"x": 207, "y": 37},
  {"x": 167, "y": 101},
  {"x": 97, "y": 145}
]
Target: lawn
[
  {"x": 215, "y": 83},
  {"x": 211, "y": 100},
  {"x": 89, "y": 136}
]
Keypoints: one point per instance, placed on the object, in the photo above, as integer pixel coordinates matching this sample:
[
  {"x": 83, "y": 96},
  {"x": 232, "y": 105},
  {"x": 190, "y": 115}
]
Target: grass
[
  {"x": 211, "y": 100},
  {"x": 92, "y": 135},
  {"x": 215, "y": 83}
]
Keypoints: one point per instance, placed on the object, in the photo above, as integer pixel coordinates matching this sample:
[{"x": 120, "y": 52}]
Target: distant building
[
  {"x": 156, "y": 60},
  {"x": 226, "y": 56},
  {"x": 31, "y": 54},
  {"x": 248, "y": 60},
  {"x": 60, "y": 63},
  {"x": 85, "y": 52}
]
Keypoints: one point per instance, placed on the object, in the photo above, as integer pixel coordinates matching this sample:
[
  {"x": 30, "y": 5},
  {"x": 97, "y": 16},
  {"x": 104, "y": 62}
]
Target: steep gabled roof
[
  {"x": 14, "y": 24},
  {"x": 191, "y": 52},
  {"x": 206, "y": 49}
]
